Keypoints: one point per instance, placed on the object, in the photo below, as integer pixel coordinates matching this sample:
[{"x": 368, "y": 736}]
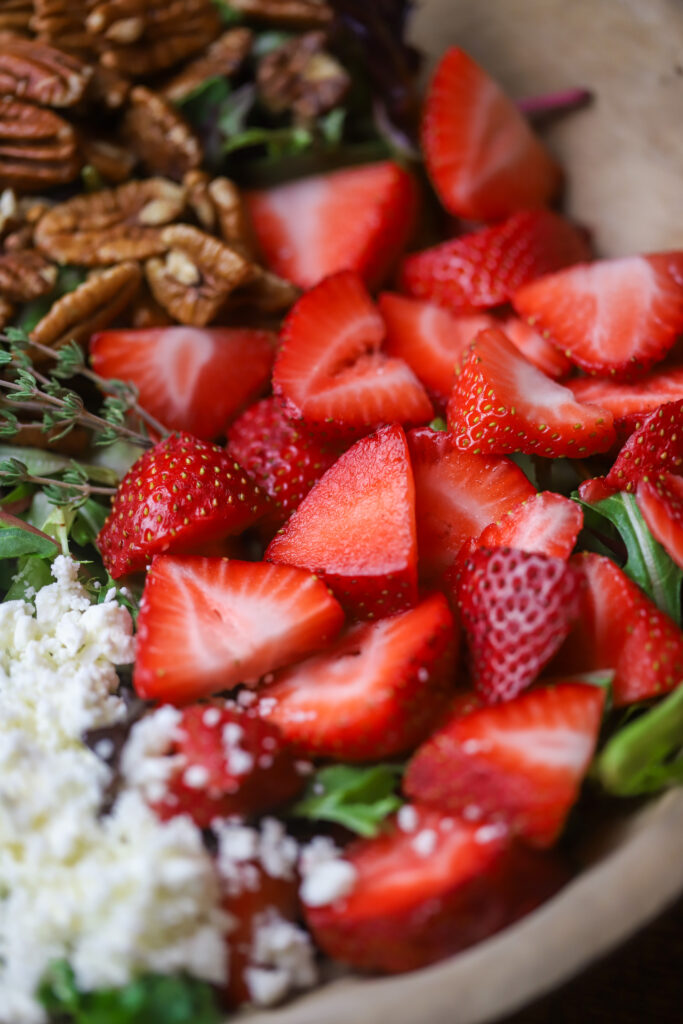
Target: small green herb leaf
[{"x": 359, "y": 798}]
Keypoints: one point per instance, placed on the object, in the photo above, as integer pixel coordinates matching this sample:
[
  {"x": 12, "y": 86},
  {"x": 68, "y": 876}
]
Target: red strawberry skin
[
  {"x": 536, "y": 348},
  {"x": 457, "y": 494},
  {"x": 595, "y": 489},
  {"x": 330, "y": 370},
  {"x": 359, "y": 218},
  {"x": 485, "y": 269},
  {"x": 178, "y": 496},
  {"x": 207, "y": 624},
  {"x": 356, "y": 528},
  {"x": 426, "y": 894},
  {"x": 189, "y": 378},
  {"x": 375, "y": 693},
  {"x": 517, "y": 608},
  {"x": 482, "y": 156},
  {"x": 661, "y": 505},
  {"x": 244, "y": 763},
  {"x": 502, "y": 403},
  {"x": 654, "y": 448},
  {"x": 520, "y": 763},
  {"x": 630, "y": 402},
  {"x": 546, "y": 523},
  {"x": 613, "y": 317}
]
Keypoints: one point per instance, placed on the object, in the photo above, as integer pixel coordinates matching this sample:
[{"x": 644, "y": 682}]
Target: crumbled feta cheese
[
  {"x": 243, "y": 850},
  {"x": 238, "y": 761},
  {"x": 281, "y": 959},
  {"x": 325, "y": 875},
  {"x": 146, "y": 763}
]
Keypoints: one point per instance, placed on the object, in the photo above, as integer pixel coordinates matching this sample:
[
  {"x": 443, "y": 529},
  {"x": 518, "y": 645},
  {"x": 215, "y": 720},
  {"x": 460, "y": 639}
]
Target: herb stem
[{"x": 46, "y": 481}]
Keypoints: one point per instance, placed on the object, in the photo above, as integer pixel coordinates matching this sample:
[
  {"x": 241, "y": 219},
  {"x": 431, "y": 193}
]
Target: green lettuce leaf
[
  {"x": 355, "y": 796},
  {"x": 646, "y": 755}
]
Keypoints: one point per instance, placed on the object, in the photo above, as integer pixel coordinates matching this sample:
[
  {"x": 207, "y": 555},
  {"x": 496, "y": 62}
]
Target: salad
[{"x": 341, "y": 508}]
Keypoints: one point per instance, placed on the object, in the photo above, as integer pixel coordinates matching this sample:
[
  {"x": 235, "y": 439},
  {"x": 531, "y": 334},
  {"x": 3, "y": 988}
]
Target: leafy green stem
[{"x": 646, "y": 755}]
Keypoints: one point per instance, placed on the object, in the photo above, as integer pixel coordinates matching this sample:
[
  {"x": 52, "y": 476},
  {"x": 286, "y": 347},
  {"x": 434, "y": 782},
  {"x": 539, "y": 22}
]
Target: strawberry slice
[
  {"x": 621, "y": 629},
  {"x": 629, "y": 403},
  {"x": 517, "y": 609},
  {"x": 356, "y": 528},
  {"x": 594, "y": 490},
  {"x": 207, "y": 624},
  {"x": 227, "y": 761},
  {"x": 430, "y": 339},
  {"x": 536, "y": 348},
  {"x": 502, "y": 403},
  {"x": 189, "y": 378},
  {"x": 425, "y": 894},
  {"x": 485, "y": 269},
  {"x": 661, "y": 505},
  {"x": 613, "y": 317},
  {"x": 375, "y": 693},
  {"x": 653, "y": 449},
  {"x": 482, "y": 156},
  {"x": 546, "y": 523},
  {"x": 520, "y": 763},
  {"x": 282, "y": 456},
  {"x": 182, "y": 495},
  {"x": 358, "y": 218},
  {"x": 330, "y": 369},
  {"x": 457, "y": 494}
]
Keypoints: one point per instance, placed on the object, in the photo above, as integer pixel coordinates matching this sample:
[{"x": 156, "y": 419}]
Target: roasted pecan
[
  {"x": 90, "y": 307},
  {"x": 159, "y": 136},
  {"x": 302, "y": 77},
  {"x": 293, "y": 13},
  {"x": 25, "y": 275},
  {"x": 37, "y": 147},
  {"x": 6, "y": 311},
  {"x": 113, "y": 163},
  {"x": 62, "y": 24},
  {"x": 197, "y": 275},
  {"x": 15, "y": 16},
  {"x": 121, "y": 223},
  {"x": 232, "y": 217},
  {"x": 223, "y": 58},
  {"x": 196, "y": 185},
  {"x": 145, "y": 311},
  {"x": 35, "y": 71},
  {"x": 10, "y": 216},
  {"x": 264, "y": 293},
  {"x": 108, "y": 87}
]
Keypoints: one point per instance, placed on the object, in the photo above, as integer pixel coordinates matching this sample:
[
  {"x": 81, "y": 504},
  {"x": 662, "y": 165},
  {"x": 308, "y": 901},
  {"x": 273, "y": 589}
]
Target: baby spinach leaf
[
  {"x": 357, "y": 797},
  {"x": 15, "y": 542},
  {"x": 33, "y": 574}
]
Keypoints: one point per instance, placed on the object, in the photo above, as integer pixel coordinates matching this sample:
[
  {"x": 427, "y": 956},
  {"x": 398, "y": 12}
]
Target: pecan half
[
  {"x": 197, "y": 275},
  {"x": 264, "y": 293},
  {"x": 108, "y": 87},
  {"x": 35, "y": 71},
  {"x": 115, "y": 224},
  {"x": 113, "y": 163},
  {"x": 62, "y": 24},
  {"x": 231, "y": 214},
  {"x": 302, "y": 77},
  {"x": 10, "y": 215},
  {"x": 89, "y": 308},
  {"x": 37, "y": 147},
  {"x": 15, "y": 16},
  {"x": 196, "y": 185},
  {"x": 159, "y": 136},
  {"x": 145, "y": 311},
  {"x": 223, "y": 58},
  {"x": 25, "y": 275},
  {"x": 292, "y": 13}
]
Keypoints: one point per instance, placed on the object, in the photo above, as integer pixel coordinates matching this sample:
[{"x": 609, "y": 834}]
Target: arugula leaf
[
  {"x": 33, "y": 574},
  {"x": 279, "y": 141},
  {"x": 646, "y": 755},
  {"x": 647, "y": 562},
  {"x": 357, "y": 797},
  {"x": 150, "y": 999}
]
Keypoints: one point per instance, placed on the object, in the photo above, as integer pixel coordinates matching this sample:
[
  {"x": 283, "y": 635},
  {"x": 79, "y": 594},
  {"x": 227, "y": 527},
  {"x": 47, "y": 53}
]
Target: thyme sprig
[{"x": 72, "y": 488}]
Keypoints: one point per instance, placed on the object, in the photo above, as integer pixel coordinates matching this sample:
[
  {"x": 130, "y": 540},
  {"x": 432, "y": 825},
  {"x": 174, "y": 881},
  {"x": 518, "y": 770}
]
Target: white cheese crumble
[
  {"x": 281, "y": 960},
  {"x": 326, "y": 876},
  {"x": 241, "y": 848},
  {"x": 146, "y": 764}
]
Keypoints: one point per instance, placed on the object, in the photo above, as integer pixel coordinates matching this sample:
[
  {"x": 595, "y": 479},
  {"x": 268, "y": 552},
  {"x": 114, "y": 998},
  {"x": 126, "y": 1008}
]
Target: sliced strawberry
[
  {"x": 661, "y": 504},
  {"x": 502, "y": 403},
  {"x": 207, "y": 624},
  {"x": 357, "y": 529},
  {"x": 517, "y": 608},
  {"x": 227, "y": 761},
  {"x": 457, "y": 494},
  {"x": 282, "y": 456},
  {"x": 594, "y": 490},
  {"x": 655, "y": 448},
  {"x": 179, "y": 496},
  {"x": 546, "y": 523},
  {"x": 536, "y": 348},
  {"x": 485, "y": 269},
  {"x": 424, "y": 894},
  {"x": 189, "y": 378},
  {"x": 613, "y": 317},
  {"x": 629, "y": 403},
  {"x": 520, "y": 763},
  {"x": 621, "y": 629},
  {"x": 330, "y": 369},
  {"x": 430, "y": 339},
  {"x": 482, "y": 156},
  {"x": 358, "y": 218},
  {"x": 375, "y": 693}
]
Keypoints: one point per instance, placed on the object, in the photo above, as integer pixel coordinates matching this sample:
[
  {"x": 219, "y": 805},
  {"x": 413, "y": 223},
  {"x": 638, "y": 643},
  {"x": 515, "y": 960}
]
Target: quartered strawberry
[
  {"x": 485, "y": 268},
  {"x": 181, "y": 495},
  {"x": 282, "y": 456},
  {"x": 629, "y": 403},
  {"x": 189, "y": 378},
  {"x": 612, "y": 317},
  {"x": 546, "y": 523},
  {"x": 330, "y": 369},
  {"x": 207, "y": 624},
  {"x": 502, "y": 403},
  {"x": 356, "y": 528},
  {"x": 482, "y": 156},
  {"x": 424, "y": 894},
  {"x": 457, "y": 494},
  {"x": 227, "y": 761},
  {"x": 430, "y": 339},
  {"x": 376, "y": 692},
  {"x": 661, "y": 504},
  {"x": 520, "y": 763},
  {"x": 517, "y": 608},
  {"x": 620, "y": 629},
  {"x": 358, "y": 218},
  {"x": 536, "y": 348},
  {"x": 654, "y": 448}
]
